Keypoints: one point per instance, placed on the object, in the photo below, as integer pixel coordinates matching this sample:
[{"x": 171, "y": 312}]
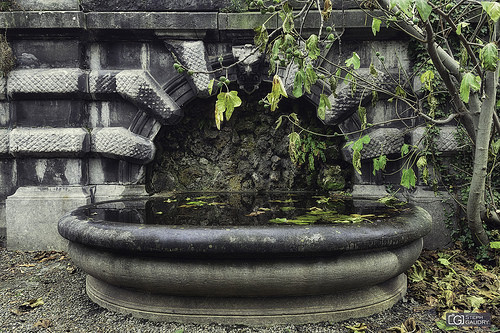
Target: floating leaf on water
[
  {"x": 205, "y": 197},
  {"x": 217, "y": 204},
  {"x": 287, "y": 208},
  {"x": 278, "y": 220},
  {"x": 159, "y": 213},
  {"x": 170, "y": 200},
  {"x": 255, "y": 213}
]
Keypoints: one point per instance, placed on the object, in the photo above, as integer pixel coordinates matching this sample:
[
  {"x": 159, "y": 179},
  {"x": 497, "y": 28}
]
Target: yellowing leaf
[
  {"x": 324, "y": 104},
  {"x": 489, "y": 56},
  {"x": 376, "y": 26},
  {"x": 492, "y": 9},
  {"x": 469, "y": 82}
]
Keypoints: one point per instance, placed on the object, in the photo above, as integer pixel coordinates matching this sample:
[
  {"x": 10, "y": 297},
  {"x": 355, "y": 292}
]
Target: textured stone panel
[
  {"x": 118, "y": 142},
  {"x": 140, "y": 88},
  {"x": 3, "y": 88},
  {"x": 4, "y": 141},
  {"x": 52, "y": 171},
  {"x": 46, "y": 81},
  {"x": 48, "y": 141},
  {"x": 383, "y": 141},
  {"x": 194, "y": 56},
  {"x": 446, "y": 141},
  {"x": 346, "y": 102}
]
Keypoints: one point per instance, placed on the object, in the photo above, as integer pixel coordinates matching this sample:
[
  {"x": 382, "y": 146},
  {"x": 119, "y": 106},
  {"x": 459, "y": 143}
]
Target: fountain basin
[{"x": 148, "y": 258}]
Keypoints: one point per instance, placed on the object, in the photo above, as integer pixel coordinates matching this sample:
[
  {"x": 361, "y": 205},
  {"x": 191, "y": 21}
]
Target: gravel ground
[{"x": 29, "y": 278}]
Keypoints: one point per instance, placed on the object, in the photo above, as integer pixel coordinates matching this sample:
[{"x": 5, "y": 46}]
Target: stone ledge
[
  {"x": 35, "y": 5},
  {"x": 182, "y": 21},
  {"x": 152, "y": 21},
  {"x": 48, "y": 142},
  {"x": 42, "y": 20}
]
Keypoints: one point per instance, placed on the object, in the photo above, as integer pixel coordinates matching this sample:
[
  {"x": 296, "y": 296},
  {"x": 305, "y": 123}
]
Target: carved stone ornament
[{"x": 249, "y": 67}]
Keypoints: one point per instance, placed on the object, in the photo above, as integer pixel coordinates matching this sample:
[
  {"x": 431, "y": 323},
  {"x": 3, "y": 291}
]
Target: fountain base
[{"x": 251, "y": 311}]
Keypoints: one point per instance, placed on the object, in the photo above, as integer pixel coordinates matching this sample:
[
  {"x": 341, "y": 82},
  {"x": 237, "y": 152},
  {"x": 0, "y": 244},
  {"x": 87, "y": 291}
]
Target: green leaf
[
  {"x": 476, "y": 302},
  {"x": 232, "y": 101},
  {"x": 220, "y": 108},
  {"x": 358, "y": 144},
  {"x": 444, "y": 261},
  {"x": 408, "y": 178},
  {"x": 278, "y": 122},
  {"x": 492, "y": 9},
  {"x": 424, "y": 9},
  {"x": 489, "y": 56},
  {"x": 324, "y": 104},
  {"x": 362, "y": 116},
  {"x": 421, "y": 162},
  {"x": 293, "y": 146},
  {"x": 469, "y": 82},
  {"x": 495, "y": 245},
  {"x": 379, "y": 163},
  {"x": 353, "y": 61},
  {"x": 441, "y": 324},
  {"x": 300, "y": 77},
  {"x": 460, "y": 26},
  {"x": 495, "y": 147},
  {"x": 376, "y": 25},
  {"x": 404, "y": 149},
  {"x": 356, "y": 160},
  {"x": 261, "y": 37},
  {"x": 373, "y": 70},
  {"x": 400, "y": 91},
  {"x": 211, "y": 86},
  {"x": 311, "y": 78},
  {"x": 294, "y": 117},
  {"x": 312, "y": 47},
  {"x": 427, "y": 78}
]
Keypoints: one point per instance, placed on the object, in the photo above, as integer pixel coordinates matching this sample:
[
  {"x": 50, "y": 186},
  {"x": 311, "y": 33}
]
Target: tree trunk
[{"x": 475, "y": 203}]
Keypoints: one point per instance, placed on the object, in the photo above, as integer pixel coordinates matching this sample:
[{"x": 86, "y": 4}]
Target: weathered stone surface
[
  {"x": 118, "y": 142},
  {"x": 113, "y": 113},
  {"x": 347, "y": 101},
  {"x": 47, "y": 81},
  {"x": 250, "y": 67},
  {"x": 446, "y": 141},
  {"x": 33, "y": 212},
  {"x": 51, "y": 171},
  {"x": 194, "y": 56},
  {"x": 383, "y": 141},
  {"x": 49, "y": 113},
  {"x": 152, "y": 21},
  {"x": 42, "y": 20},
  {"x": 4, "y": 141},
  {"x": 48, "y": 141},
  {"x": 53, "y": 53},
  {"x": 138, "y": 87},
  {"x": 438, "y": 205},
  {"x": 157, "y": 5},
  {"x": 56, "y": 5},
  {"x": 245, "y": 21},
  {"x": 3, "y": 88}
]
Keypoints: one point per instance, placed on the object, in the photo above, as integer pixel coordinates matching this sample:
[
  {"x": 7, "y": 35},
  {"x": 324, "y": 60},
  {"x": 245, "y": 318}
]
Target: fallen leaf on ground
[
  {"x": 44, "y": 323},
  {"x": 31, "y": 304}
]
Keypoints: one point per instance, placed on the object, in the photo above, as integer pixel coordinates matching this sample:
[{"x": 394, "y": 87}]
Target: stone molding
[
  {"x": 48, "y": 141},
  {"x": 118, "y": 142},
  {"x": 58, "y": 81}
]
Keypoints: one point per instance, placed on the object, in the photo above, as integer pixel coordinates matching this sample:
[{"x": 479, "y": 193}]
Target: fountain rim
[{"x": 245, "y": 241}]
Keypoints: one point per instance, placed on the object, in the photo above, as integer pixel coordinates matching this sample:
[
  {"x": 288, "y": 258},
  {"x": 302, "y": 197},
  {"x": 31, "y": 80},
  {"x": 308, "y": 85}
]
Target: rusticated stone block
[
  {"x": 138, "y": 87},
  {"x": 346, "y": 101},
  {"x": 383, "y": 141},
  {"x": 4, "y": 141},
  {"x": 193, "y": 54},
  {"x": 42, "y": 20},
  {"x": 48, "y": 141},
  {"x": 118, "y": 142},
  {"x": 47, "y": 81},
  {"x": 3, "y": 88},
  {"x": 446, "y": 140}
]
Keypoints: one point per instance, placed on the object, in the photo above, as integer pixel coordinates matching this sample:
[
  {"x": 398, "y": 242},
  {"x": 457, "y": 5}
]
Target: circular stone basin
[{"x": 239, "y": 258}]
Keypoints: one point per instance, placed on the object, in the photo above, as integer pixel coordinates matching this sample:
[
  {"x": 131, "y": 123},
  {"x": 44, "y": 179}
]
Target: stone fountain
[{"x": 168, "y": 259}]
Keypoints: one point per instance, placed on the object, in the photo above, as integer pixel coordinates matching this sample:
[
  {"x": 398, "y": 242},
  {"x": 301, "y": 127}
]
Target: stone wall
[{"x": 94, "y": 85}]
